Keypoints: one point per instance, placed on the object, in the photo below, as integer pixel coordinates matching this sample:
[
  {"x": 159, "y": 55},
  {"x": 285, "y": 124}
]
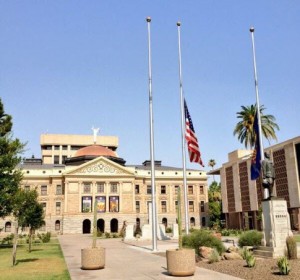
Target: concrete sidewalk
[{"x": 126, "y": 261}]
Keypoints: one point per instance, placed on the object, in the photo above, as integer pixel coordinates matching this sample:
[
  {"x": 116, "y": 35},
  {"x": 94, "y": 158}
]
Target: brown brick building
[{"x": 241, "y": 197}]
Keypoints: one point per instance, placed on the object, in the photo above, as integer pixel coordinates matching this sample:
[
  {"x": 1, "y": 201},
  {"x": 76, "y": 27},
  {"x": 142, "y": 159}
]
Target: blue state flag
[{"x": 256, "y": 156}]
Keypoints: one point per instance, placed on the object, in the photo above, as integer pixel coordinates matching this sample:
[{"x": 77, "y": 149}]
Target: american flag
[{"x": 191, "y": 138}]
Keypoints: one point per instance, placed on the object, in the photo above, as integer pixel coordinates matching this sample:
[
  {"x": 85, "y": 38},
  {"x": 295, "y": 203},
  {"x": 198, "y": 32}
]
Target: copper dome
[{"x": 95, "y": 150}]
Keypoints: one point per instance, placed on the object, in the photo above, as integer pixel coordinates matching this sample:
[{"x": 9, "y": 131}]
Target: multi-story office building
[
  {"x": 95, "y": 172},
  {"x": 241, "y": 197},
  {"x": 56, "y": 148}
]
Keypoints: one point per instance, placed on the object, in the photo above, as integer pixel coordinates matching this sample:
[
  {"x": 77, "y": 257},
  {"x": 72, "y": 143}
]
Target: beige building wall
[
  {"x": 63, "y": 188},
  {"x": 66, "y": 208}
]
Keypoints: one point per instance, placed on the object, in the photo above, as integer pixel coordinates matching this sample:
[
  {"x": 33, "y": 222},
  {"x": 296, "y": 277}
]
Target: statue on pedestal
[{"x": 268, "y": 174}]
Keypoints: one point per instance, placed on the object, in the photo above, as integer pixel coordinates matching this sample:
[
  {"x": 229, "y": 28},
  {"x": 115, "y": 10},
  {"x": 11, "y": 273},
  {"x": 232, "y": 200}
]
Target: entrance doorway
[
  {"x": 86, "y": 226},
  {"x": 101, "y": 225},
  {"x": 114, "y": 225}
]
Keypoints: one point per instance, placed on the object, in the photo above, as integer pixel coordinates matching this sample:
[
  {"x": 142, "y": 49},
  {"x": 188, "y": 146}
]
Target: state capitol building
[{"x": 73, "y": 173}]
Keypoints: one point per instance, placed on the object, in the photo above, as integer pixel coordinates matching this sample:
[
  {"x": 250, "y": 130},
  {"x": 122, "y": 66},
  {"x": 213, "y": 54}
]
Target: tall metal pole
[
  {"x": 183, "y": 135},
  {"x": 154, "y": 215},
  {"x": 266, "y": 194},
  {"x": 257, "y": 96}
]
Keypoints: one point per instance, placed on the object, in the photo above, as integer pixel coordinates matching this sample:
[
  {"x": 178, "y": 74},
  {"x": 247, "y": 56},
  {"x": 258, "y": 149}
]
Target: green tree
[
  {"x": 10, "y": 175},
  {"x": 244, "y": 128},
  {"x": 215, "y": 204},
  {"x": 28, "y": 212}
]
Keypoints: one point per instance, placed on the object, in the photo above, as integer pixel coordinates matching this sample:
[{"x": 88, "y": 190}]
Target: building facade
[
  {"x": 123, "y": 192},
  {"x": 241, "y": 197}
]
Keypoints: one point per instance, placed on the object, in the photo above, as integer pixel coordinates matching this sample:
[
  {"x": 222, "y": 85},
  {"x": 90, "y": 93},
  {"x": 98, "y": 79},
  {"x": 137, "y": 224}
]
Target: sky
[{"x": 66, "y": 66}]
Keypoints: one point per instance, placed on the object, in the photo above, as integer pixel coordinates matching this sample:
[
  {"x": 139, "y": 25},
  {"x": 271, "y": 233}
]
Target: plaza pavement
[{"x": 126, "y": 260}]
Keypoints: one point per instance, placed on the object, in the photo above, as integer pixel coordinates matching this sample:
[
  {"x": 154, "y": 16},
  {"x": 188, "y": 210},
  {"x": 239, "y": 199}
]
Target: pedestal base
[{"x": 276, "y": 226}]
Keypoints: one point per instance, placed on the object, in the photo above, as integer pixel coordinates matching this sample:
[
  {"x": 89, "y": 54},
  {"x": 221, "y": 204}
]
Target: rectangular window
[
  {"x": 149, "y": 189},
  {"x": 137, "y": 207},
  {"x": 163, "y": 206},
  {"x": 113, "y": 204},
  {"x": 43, "y": 190},
  {"x": 191, "y": 206},
  {"x": 87, "y": 187},
  {"x": 100, "y": 187},
  {"x": 64, "y": 147},
  {"x": 101, "y": 204},
  {"x": 113, "y": 187},
  {"x": 86, "y": 204},
  {"x": 63, "y": 159},
  {"x": 27, "y": 188},
  {"x": 190, "y": 189},
  {"x": 58, "y": 208},
  {"x": 163, "y": 190},
  {"x": 176, "y": 189},
  {"x": 56, "y": 147},
  {"x": 75, "y": 148},
  {"x": 56, "y": 159},
  {"x": 137, "y": 189},
  {"x": 176, "y": 206},
  {"x": 202, "y": 209},
  {"x": 58, "y": 189},
  {"x": 201, "y": 189}
]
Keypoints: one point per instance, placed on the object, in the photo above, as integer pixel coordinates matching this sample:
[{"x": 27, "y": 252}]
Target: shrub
[
  {"x": 250, "y": 238},
  {"x": 248, "y": 257},
  {"x": 169, "y": 230},
  {"x": 115, "y": 235},
  {"x": 283, "y": 266},
  {"x": 99, "y": 233},
  {"x": 225, "y": 232},
  {"x": 107, "y": 235},
  {"x": 214, "y": 256},
  {"x": 8, "y": 239},
  {"x": 44, "y": 237},
  {"x": 202, "y": 238},
  {"x": 291, "y": 247}
]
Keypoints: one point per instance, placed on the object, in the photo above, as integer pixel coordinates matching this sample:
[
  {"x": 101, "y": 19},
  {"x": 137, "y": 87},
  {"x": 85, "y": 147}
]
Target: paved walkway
[{"x": 126, "y": 261}]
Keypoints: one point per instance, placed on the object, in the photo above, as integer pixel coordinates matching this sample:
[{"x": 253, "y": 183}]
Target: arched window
[
  {"x": 192, "y": 221},
  {"x": 8, "y": 227},
  {"x": 57, "y": 225},
  {"x": 165, "y": 222},
  {"x": 101, "y": 225},
  {"x": 86, "y": 226},
  {"x": 114, "y": 225},
  {"x": 137, "y": 228},
  {"x": 203, "y": 222}
]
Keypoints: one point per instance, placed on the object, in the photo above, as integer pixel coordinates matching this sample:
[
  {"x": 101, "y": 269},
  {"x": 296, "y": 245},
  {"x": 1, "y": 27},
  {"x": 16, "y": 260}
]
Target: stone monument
[{"x": 275, "y": 217}]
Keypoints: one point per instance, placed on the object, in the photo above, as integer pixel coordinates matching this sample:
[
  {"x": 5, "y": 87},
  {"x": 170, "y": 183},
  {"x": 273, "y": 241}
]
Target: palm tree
[
  {"x": 244, "y": 128},
  {"x": 212, "y": 163}
]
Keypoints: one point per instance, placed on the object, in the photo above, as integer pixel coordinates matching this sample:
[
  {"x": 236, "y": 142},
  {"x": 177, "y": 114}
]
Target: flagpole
[
  {"x": 154, "y": 216},
  {"x": 182, "y": 135},
  {"x": 257, "y": 100}
]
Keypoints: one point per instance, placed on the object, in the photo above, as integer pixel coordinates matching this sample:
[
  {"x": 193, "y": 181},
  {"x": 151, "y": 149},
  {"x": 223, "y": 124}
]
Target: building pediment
[{"x": 100, "y": 166}]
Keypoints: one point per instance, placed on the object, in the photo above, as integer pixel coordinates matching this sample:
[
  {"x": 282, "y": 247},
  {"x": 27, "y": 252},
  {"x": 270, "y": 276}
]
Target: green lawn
[{"x": 45, "y": 262}]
